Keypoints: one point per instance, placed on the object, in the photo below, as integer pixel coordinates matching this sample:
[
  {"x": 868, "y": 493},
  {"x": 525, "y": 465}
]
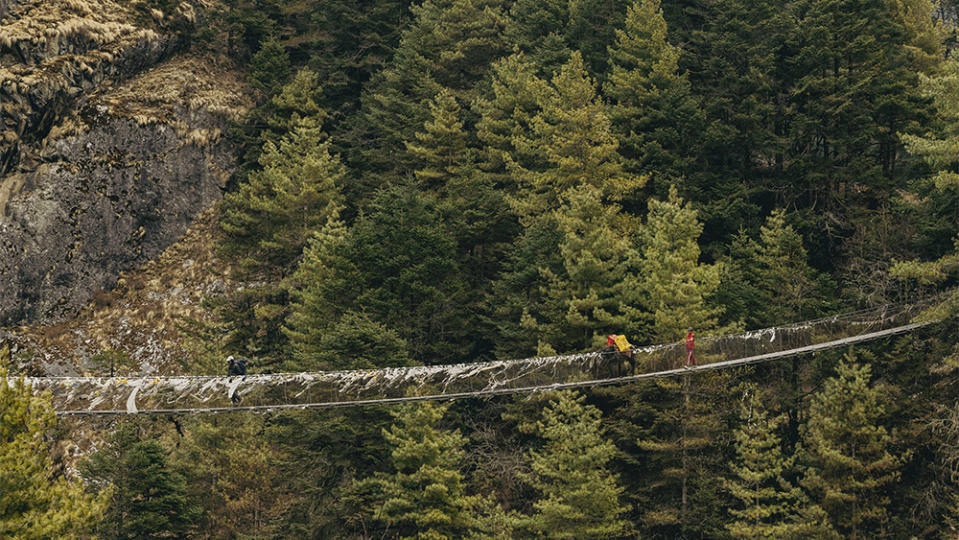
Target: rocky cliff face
[{"x": 111, "y": 145}]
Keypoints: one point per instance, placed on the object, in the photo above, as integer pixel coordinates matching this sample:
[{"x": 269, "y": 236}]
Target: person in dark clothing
[{"x": 237, "y": 367}]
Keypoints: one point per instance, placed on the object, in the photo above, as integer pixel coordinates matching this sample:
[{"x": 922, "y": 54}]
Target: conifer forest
[{"x": 366, "y": 184}]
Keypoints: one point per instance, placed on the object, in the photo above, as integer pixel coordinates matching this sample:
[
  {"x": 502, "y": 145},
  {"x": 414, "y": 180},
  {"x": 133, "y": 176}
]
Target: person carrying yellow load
[{"x": 618, "y": 344}]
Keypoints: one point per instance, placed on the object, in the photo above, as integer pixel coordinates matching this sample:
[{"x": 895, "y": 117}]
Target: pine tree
[
  {"x": 397, "y": 264},
  {"x": 269, "y": 219},
  {"x": 36, "y": 503},
  {"x": 475, "y": 212},
  {"x": 592, "y": 294},
  {"x": 654, "y": 115},
  {"x": 572, "y": 133},
  {"x": 849, "y": 454},
  {"x": 936, "y": 148},
  {"x": 548, "y": 32},
  {"x": 925, "y": 36},
  {"x": 440, "y": 149},
  {"x": 770, "y": 282},
  {"x": 150, "y": 498},
  {"x": 357, "y": 342},
  {"x": 515, "y": 99},
  {"x": 233, "y": 475},
  {"x": 574, "y": 188},
  {"x": 770, "y": 506},
  {"x": 741, "y": 147},
  {"x": 579, "y": 496},
  {"x": 679, "y": 423},
  {"x": 540, "y": 31},
  {"x": 276, "y": 118},
  {"x": 269, "y": 68},
  {"x": 450, "y": 45},
  {"x": 856, "y": 91},
  {"x": 425, "y": 498},
  {"x": 676, "y": 287},
  {"x": 312, "y": 311}
]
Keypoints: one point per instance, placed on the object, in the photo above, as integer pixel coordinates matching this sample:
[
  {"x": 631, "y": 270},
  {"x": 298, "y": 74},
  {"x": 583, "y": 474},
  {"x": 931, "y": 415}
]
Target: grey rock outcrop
[
  {"x": 112, "y": 198},
  {"x": 111, "y": 187}
]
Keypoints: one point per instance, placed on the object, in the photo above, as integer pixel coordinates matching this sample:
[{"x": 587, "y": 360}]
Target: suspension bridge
[{"x": 113, "y": 396}]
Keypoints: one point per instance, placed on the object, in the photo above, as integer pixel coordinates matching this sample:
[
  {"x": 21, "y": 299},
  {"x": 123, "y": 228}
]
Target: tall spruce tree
[
  {"x": 398, "y": 265},
  {"x": 35, "y": 501},
  {"x": 474, "y": 208},
  {"x": 549, "y": 31},
  {"x": 572, "y": 133},
  {"x": 269, "y": 68},
  {"x": 654, "y": 115},
  {"x": 269, "y": 219},
  {"x": 513, "y": 101},
  {"x": 592, "y": 294},
  {"x": 769, "y": 505},
  {"x": 770, "y": 282},
  {"x": 676, "y": 287},
  {"x": 849, "y": 455},
  {"x": 574, "y": 192},
  {"x": 579, "y": 496},
  {"x": 450, "y": 44},
  {"x": 232, "y": 475},
  {"x": 679, "y": 422},
  {"x": 540, "y": 30},
  {"x": 149, "y": 499},
  {"x": 425, "y": 498},
  {"x": 855, "y": 91},
  {"x": 937, "y": 148}
]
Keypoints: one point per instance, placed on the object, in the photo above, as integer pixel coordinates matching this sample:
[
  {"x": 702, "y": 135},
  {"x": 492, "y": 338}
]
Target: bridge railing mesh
[{"x": 135, "y": 394}]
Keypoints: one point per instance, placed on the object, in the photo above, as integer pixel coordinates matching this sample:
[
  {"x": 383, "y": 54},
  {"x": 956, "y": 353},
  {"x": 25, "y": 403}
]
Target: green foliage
[
  {"x": 425, "y": 498},
  {"x": 849, "y": 453},
  {"x": 249, "y": 321},
  {"x": 398, "y": 265},
  {"x": 654, "y": 114},
  {"x": 676, "y": 287},
  {"x": 576, "y": 179},
  {"x": 450, "y": 45},
  {"x": 770, "y": 506},
  {"x": 269, "y": 68},
  {"x": 515, "y": 98},
  {"x": 572, "y": 135},
  {"x": 547, "y": 32},
  {"x": 937, "y": 147},
  {"x": 35, "y": 502},
  {"x": 270, "y": 218},
  {"x": 232, "y": 471},
  {"x": 149, "y": 499},
  {"x": 593, "y": 294},
  {"x": 770, "y": 281},
  {"x": 579, "y": 496},
  {"x": 540, "y": 30},
  {"x": 354, "y": 342}
]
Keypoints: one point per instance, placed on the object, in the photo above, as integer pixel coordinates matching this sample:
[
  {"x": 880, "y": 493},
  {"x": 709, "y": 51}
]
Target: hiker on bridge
[
  {"x": 236, "y": 367},
  {"x": 690, "y": 345},
  {"x": 618, "y": 344}
]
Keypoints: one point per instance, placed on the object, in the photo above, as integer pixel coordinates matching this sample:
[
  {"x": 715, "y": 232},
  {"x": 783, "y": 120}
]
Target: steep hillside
[
  {"x": 137, "y": 325},
  {"x": 112, "y": 144}
]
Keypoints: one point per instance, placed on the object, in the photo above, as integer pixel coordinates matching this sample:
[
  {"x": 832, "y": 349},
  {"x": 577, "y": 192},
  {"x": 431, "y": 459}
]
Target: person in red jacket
[{"x": 690, "y": 344}]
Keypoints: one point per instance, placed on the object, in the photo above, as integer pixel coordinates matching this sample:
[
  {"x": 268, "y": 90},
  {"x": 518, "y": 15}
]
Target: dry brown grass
[
  {"x": 47, "y": 22},
  {"x": 184, "y": 84}
]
